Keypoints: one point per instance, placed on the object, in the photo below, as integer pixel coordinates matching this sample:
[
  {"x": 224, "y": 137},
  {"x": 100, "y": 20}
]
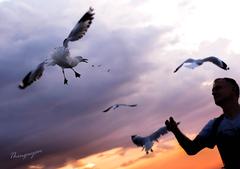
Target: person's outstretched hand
[{"x": 171, "y": 125}]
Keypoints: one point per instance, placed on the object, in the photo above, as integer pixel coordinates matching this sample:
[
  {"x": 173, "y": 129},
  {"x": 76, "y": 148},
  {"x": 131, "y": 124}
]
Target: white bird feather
[
  {"x": 193, "y": 63},
  {"x": 147, "y": 142}
]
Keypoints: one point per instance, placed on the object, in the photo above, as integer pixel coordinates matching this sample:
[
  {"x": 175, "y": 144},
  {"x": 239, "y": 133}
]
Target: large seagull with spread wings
[{"x": 61, "y": 55}]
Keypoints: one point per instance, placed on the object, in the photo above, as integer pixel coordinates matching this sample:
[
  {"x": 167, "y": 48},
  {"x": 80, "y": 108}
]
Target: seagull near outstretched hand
[
  {"x": 147, "y": 142},
  {"x": 118, "y": 105},
  {"x": 192, "y": 63},
  {"x": 61, "y": 55},
  {"x": 32, "y": 76}
]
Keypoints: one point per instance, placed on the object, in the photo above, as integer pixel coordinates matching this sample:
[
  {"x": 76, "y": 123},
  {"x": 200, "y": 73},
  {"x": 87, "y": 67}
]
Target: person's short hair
[{"x": 232, "y": 82}]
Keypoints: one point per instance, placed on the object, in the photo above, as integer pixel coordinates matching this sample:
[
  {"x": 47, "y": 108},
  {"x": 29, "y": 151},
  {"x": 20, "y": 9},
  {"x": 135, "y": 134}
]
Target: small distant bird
[
  {"x": 118, "y": 105},
  {"x": 192, "y": 63},
  {"x": 32, "y": 76},
  {"x": 147, "y": 142}
]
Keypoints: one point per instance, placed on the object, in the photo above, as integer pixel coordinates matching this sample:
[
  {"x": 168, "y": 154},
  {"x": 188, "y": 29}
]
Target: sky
[{"x": 142, "y": 42}]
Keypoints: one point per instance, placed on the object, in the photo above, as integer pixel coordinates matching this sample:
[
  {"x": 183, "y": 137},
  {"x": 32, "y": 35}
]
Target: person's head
[{"x": 225, "y": 90}]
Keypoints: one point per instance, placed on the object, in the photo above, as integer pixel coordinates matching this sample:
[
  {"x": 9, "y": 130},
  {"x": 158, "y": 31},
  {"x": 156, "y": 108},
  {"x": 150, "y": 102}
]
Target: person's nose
[{"x": 214, "y": 92}]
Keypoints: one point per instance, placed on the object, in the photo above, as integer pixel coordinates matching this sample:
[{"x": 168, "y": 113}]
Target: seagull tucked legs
[
  {"x": 76, "y": 73},
  {"x": 65, "y": 80}
]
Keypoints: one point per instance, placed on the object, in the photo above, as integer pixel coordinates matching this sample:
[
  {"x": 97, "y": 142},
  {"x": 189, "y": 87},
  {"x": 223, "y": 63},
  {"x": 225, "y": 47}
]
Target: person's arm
[{"x": 191, "y": 147}]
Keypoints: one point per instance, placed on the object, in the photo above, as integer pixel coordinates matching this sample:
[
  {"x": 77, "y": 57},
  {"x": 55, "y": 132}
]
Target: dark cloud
[{"x": 66, "y": 122}]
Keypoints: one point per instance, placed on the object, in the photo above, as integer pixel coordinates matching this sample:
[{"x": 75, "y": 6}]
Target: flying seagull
[
  {"x": 61, "y": 55},
  {"x": 32, "y": 76},
  {"x": 118, "y": 105},
  {"x": 192, "y": 63},
  {"x": 147, "y": 142}
]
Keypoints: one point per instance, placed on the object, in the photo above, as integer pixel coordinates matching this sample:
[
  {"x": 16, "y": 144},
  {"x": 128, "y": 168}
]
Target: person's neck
[{"x": 231, "y": 110}]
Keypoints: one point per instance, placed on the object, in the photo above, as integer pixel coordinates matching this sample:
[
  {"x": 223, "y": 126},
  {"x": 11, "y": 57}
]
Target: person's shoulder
[
  {"x": 209, "y": 126},
  {"x": 210, "y": 122}
]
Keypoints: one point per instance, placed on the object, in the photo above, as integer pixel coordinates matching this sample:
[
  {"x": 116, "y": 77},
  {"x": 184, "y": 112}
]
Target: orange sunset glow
[{"x": 134, "y": 158}]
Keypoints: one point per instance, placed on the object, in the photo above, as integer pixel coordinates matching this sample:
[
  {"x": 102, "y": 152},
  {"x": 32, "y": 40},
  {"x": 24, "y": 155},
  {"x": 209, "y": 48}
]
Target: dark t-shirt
[{"x": 227, "y": 139}]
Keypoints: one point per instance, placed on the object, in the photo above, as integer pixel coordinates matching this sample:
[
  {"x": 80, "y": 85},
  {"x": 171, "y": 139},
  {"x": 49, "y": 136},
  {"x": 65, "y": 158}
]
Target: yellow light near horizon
[
  {"x": 68, "y": 166},
  {"x": 35, "y": 167},
  {"x": 134, "y": 158},
  {"x": 90, "y": 165},
  {"x": 115, "y": 158}
]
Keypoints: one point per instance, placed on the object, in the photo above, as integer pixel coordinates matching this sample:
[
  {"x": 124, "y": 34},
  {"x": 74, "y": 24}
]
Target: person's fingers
[
  {"x": 167, "y": 123},
  {"x": 172, "y": 121}
]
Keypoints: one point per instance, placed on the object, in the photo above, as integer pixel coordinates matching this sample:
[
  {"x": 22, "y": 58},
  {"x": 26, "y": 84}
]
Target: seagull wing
[
  {"x": 121, "y": 105},
  {"x": 216, "y": 61},
  {"x": 80, "y": 28},
  {"x": 190, "y": 60},
  {"x": 118, "y": 105},
  {"x": 128, "y": 105},
  {"x": 37, "y": 74},
  {"x": 106, "y": 110},
  {"x": 161, "y": 131},
  {"x": 132, "y": 105},
  {"x": 25, "y": 82},
  {"x": 32, "y": 76}
]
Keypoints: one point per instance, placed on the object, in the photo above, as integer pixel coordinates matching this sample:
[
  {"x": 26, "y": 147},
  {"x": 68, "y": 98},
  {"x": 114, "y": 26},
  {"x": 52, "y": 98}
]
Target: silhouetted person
[{"x": 223, "y": 131}]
